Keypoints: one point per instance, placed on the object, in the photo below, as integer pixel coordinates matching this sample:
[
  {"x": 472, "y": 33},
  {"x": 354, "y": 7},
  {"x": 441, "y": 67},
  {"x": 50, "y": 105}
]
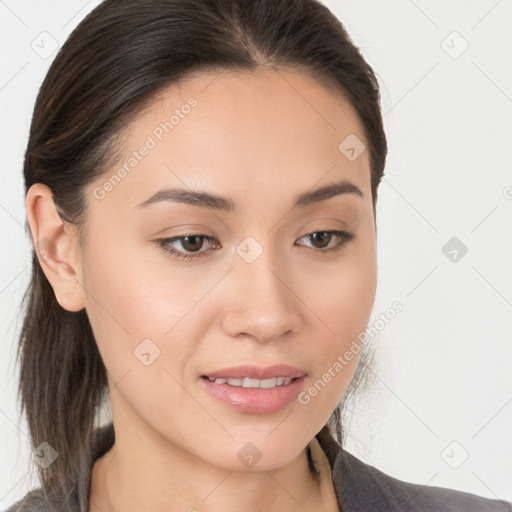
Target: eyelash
[{"x": 163, "y": 243}]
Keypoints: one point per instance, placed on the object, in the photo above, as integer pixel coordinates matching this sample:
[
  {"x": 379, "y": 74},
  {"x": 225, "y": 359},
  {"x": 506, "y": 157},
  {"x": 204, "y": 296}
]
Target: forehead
[{"x": 277, "y": 132}]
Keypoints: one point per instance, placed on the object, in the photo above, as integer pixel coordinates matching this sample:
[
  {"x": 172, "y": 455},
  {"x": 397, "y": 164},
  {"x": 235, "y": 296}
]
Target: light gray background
[{"x": 443, "y": 388}]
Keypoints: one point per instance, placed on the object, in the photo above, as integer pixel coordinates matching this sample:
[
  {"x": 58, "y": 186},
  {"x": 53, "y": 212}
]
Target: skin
[{"x": 259, "y": 139}]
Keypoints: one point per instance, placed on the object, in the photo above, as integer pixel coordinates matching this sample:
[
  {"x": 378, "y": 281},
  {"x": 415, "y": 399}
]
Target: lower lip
[{"x": 255, "y": 400}]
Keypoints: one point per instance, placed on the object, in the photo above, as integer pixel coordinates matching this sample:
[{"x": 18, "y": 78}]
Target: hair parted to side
[{"x": 115, "y": 61}]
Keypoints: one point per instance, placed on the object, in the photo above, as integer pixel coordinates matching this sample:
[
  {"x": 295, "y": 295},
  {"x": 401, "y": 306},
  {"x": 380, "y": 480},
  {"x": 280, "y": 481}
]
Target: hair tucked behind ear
[
  {"x": 117, "y": 59},
  {"x": 62, "y": 381}
]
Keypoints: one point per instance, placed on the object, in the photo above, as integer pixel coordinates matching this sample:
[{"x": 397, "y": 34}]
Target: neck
[{"x": 174, "y": 480}]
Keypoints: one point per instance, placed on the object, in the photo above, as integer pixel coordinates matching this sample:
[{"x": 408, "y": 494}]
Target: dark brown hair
[{"x": 116, "y": 60}]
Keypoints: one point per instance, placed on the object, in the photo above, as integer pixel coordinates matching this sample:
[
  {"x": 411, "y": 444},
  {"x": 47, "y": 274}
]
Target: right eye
[{"x": 190, "y": 242}]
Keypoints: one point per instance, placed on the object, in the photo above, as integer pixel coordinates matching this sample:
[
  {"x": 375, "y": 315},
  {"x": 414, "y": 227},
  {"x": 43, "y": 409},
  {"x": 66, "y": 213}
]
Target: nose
[{"x": 262, "y": 304}]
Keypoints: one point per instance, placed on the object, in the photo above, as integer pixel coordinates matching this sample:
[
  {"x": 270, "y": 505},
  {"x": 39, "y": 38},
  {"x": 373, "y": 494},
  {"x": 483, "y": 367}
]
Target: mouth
[
  {"x": 252, "y": 390},
  {"x": 249, "y": 372},
  {"x": 247, "y": 382}
]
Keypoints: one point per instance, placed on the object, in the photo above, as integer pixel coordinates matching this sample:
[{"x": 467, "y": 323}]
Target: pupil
[
  {"x": 322, "y": 235},
  {"x": 191, "y": 247}
]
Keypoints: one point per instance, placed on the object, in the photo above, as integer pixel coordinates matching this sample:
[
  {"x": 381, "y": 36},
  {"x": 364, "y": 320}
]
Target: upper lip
[{"x": 256, "y": 372}]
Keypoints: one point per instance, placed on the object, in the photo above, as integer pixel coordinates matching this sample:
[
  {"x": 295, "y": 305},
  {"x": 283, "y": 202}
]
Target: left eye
[
  {"x": 325, "y": 237},
  {"x": 193, "y": 243}
]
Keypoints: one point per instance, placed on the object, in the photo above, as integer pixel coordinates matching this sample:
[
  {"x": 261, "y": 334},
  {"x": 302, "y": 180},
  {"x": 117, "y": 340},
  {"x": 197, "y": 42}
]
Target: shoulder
[
  {"x": 33, "y": 501},
  {"x": 361, "y": 486},
  {"x": 76, "y": 500}
]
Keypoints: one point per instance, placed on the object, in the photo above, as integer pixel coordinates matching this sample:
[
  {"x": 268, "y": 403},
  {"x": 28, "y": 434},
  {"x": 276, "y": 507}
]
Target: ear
[{"x": 56, "y": 246}]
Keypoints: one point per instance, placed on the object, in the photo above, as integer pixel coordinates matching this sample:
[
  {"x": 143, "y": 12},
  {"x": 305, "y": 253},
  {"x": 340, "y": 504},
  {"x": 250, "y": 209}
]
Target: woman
[{"x": 201, "y": 183}]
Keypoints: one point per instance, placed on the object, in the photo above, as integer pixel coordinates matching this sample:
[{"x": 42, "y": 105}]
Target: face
[{"x": 180, "y": 288}]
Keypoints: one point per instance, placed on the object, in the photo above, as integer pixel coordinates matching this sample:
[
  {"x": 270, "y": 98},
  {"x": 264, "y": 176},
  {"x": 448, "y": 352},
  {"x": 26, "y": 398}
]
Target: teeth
[{"x": 255, "y": 383}]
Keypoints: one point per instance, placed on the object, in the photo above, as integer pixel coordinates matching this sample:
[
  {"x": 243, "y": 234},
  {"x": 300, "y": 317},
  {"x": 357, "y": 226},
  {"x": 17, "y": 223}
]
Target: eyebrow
[{"x": 215, "y": 202}]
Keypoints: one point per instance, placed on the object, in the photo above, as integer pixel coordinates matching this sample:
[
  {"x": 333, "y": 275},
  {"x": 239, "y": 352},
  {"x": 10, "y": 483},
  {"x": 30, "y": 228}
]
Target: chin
[{"x": 252, "y": 456}]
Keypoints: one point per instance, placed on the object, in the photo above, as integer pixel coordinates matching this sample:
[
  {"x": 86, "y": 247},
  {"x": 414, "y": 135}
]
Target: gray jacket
[{"x": 359, "y": 488}]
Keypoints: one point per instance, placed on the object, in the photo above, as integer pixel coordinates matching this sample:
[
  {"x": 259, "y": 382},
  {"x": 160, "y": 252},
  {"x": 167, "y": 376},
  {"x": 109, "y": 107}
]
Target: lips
[
  {"x": 255, "y": 372},
  {"x": 250, "y": 400}
]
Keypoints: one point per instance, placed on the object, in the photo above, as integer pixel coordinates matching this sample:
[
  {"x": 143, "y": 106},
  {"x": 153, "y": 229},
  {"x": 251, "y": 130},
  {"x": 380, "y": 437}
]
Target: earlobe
[{"x": 56, "y": 245}]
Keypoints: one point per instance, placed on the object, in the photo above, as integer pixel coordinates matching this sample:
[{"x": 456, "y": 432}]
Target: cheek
[
  {"x": 341, "y": 293},
  {"x": 346, "y": 300},
  {"x": 134, "y": 297},
  {"x": 342, "y": 302}
]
